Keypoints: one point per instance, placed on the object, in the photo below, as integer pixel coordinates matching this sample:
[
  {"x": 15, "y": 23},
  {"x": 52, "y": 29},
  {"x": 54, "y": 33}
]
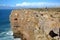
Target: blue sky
[{"x": 29, "y": 3}]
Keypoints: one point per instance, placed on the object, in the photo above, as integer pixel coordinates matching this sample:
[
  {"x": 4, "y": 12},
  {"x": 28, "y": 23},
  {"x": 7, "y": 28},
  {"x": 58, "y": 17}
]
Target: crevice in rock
[
  {"x": 15, "y": 19},
  {"x": 41, "y": 14},
  {"x": 52, "y": 34}
]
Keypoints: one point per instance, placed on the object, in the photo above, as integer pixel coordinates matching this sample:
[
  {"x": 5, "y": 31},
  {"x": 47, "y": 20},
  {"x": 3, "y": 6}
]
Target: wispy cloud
[
  {"x": 3, "y": 5},
  {"x": 27, "y": 4},
  {"x": 32, "y": 4},
  {"x": 6, "y": 5}
]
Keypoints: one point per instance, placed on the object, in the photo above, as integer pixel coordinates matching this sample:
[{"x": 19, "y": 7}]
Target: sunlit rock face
[{"x": 29, "y": 24}]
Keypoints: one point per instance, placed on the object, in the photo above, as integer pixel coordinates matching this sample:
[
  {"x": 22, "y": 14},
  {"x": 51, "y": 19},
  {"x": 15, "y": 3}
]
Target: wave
[
  {"x": 17, "y": 39},
  {"x": 8, "y": 36},
  {"x": 9, "y": 33}
]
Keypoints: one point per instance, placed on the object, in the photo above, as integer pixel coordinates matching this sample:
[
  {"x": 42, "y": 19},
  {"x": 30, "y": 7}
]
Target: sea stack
[{"x": 30, "y": 24}]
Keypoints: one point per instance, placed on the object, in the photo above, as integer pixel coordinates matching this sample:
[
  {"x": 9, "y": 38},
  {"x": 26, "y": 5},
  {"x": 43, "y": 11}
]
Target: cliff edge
[{"x": 31, "y": 24}]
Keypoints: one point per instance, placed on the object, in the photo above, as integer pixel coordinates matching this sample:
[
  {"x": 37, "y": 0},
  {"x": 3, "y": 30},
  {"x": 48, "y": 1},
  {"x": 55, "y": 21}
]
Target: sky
[{"x": 29, "y": 3}]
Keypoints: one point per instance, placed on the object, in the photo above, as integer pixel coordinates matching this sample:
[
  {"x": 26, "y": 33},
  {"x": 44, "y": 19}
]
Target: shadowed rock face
[{"x": 29, "y": 24}]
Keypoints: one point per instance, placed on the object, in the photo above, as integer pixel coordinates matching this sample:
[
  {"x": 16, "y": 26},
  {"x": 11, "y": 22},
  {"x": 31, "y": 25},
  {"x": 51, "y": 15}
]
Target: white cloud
[
  {"x": 33, "y": 4},
  {"x": 29, "y": 4},
  {"x": 37, "y": 4}
]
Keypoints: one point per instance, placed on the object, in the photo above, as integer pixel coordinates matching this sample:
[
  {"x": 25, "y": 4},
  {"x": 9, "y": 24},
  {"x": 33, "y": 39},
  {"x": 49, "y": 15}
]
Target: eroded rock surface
[{"x": 29, "y": 24}]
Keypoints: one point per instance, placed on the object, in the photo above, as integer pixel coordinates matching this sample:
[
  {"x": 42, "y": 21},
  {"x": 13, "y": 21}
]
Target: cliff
[{"x": 35, "y": 24}]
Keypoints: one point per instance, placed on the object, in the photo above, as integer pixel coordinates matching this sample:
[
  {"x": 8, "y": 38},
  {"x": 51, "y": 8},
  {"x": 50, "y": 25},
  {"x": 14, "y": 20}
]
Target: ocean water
[{"x": 6, "y": 32}]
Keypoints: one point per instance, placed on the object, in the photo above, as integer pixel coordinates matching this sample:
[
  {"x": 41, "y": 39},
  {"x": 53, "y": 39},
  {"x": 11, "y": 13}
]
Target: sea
[{"x": 6, "y": 32}]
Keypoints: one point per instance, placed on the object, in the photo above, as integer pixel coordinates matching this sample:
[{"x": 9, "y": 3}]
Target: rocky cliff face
[{"x": 29, "y": 24}]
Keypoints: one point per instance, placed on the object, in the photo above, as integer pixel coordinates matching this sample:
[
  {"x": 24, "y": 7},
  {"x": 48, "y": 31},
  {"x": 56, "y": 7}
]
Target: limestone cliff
[{"x": 30, "y": 24}]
